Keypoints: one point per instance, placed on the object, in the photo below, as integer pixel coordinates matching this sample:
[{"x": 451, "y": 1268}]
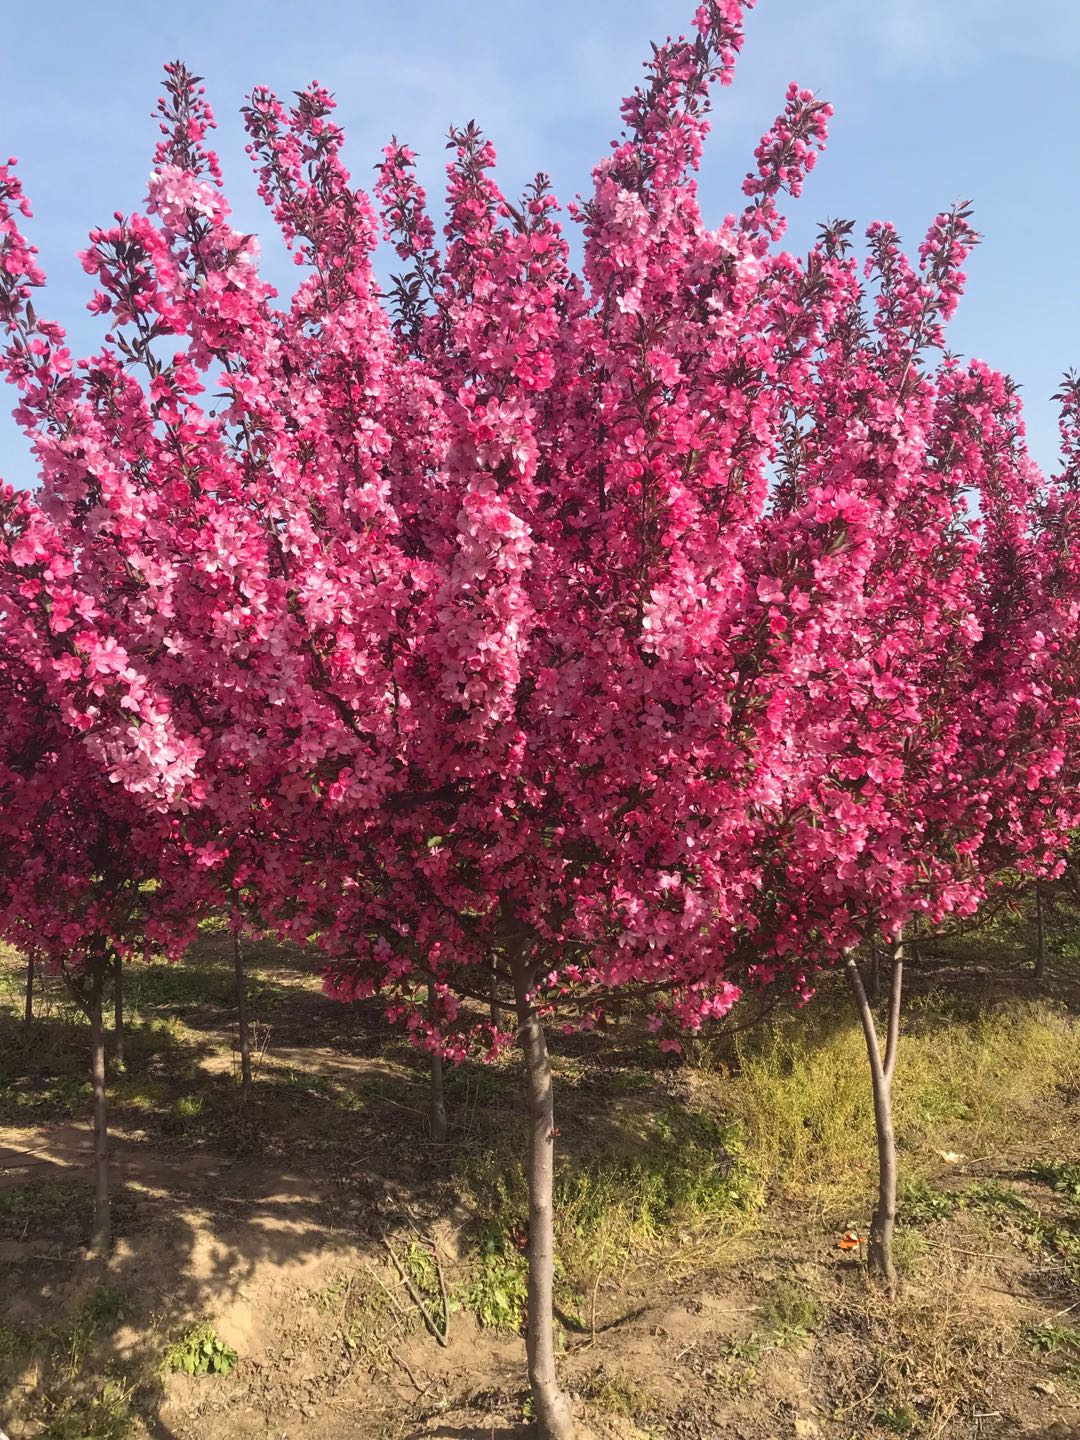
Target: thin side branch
[
  {"x": 866, "y": 1015},
  {"x": 892, "y": 1038}
]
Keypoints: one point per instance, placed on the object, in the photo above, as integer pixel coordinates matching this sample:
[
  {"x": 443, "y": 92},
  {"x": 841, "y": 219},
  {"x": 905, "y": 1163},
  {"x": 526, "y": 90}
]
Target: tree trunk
[
  {"x": 436, "y": 1099},
  {"x": 880, "y": 1249},
  {"x": 241, "y": 1011},
  {"x": 875, "y": 971},
  {"x": 1040, "y": 935},
  {"x": 496, "y": 1017},
  {"x": 28, "y": 1012},
  {"x": 436, "y": 1102},
  {"x": 553, "y": 1416},
  {"x": 118, "y": 1013},
  {"x": 102, "y": 1231}
]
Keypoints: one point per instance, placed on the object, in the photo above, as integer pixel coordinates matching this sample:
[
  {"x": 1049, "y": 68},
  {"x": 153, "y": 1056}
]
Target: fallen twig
[
  {"x": 442, "y": 1289},
  {"x": 846, "y": 1409},
  {"x": 417, "y": 1298},
  {"x": 398, "y": 1311},
  {"x": 957, "y": 1250},
  {"x": 422, "y": 1390}
]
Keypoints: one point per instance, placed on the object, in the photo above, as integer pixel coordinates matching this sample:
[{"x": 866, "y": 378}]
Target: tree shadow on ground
[
  {"x": 321, "y": 1165},
  {"x": 313, "y": 1174}
]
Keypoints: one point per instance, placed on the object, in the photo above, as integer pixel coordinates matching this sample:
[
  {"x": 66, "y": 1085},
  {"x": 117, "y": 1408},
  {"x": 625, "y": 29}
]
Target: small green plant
[
  {"x": 793, "y": 1311},
  {"x": 1061, "y": 1177},
  {"x": 16, "y": 1343},
  {"x": 102, "y": 1310},
  {"x": 368, "y": 1322},
  {"x": 41, "y": 1195},
  {"x": 991, "y": 1195},
  {"x": 1060, "y": 1341},
  {"x": 900, "y": 1420},
  {"x": 629, "y": 1082},
  {"x": 909, "y": 1247},
  {"x": 420, "y": 1268},
  {"x": 476, "y": 1084},
  {"x": 738, "y": 1372},
  {"x": 332, "y": 1297},
  {"x": 1038, "y": 1231},
  {"x": 617, "y": 1395},
  {"x": 497, "y": 1292},
  {"x": 1051, "y": 1338},
  {"x": 201, "y": 1352},
  {"x": 919, "y": 1202},
  {"x": 189, "y": 1107},
  {"x": 290, "y": 1077}
]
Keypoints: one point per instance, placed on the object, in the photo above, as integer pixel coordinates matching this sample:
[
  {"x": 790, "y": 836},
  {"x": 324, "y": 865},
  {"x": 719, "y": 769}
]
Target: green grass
[
  {"x": 919, "y": 1202},
  {"x": 802, "y": 1096},
  {"x": 791, "y": 1314},
  {"x": 105, "y": 1415},
  {"x": 1034, "y": 1230},
  {"x": 793, "y": 1311},
  {"x": 619, "y": 1395},
  {"x": 41, "y": 1195},
  {"x": 1061, "y": 1177},
  {"x": 678, "y": 1173},
  {"x": 102, "y": 1311},
  {"x": 17, "y": 1343},
  {"x": 1051, "y": 1338},
  {"x": 291, "y": 1078}
]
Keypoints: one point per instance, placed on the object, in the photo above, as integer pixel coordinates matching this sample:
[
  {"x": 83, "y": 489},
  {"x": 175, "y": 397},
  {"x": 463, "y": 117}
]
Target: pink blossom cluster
[{"x": 637, "y": 618}]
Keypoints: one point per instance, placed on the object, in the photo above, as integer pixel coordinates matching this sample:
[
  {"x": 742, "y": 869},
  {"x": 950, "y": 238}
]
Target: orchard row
[{"x": 662, "y": 624}]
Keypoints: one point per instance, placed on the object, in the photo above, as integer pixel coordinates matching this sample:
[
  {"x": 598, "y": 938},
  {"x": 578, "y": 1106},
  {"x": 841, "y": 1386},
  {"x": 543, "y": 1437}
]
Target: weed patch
[
  {"x": 102, "y": 1310},
  {"x": 617, "y": 1395},
  {"x": 1062, "y": 1178},
  {"x": 106, "y": 1415},
  {"x": 201, "y": 1351},
  {"x": 793, "y": 1311},
  {"x": 1035, "y": 1231},
  {"x": 919, "y": 1203},
  {"x": 497, "y": 1286},
  {"x": 681, "y": 1174},
  {"x": 801, "y": 1095}
]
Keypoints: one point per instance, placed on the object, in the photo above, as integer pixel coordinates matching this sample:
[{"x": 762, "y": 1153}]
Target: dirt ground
[{"x": 701, "y": 1295}]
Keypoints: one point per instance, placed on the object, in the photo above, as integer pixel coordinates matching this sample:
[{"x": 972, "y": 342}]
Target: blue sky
[{"x": 935, "y": 100}]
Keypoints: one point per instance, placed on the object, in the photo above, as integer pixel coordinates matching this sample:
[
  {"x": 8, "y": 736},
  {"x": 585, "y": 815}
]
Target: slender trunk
[
  {"x": 118, "y": 1012},
  {"x": 102, "y": 1231},
  {"x": 496, "y": 1017},
  {"x": 436, "y": 1099},
  {"x": 553, "y": 1416},
  {"x": 880, "y": 1249},
  {"x": 28, "y": 1012},
  {"x": 1040, "y": 935},
  {"x": 436, "y": 1102},
  {"x": 875, "y": 971},
  {"x": 241, "y": 1011}
]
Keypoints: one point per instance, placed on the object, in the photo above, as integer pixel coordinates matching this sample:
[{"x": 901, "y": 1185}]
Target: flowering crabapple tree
[
  {"x": 75, "y": 850},
  {"x": 1034, "y": 818},
  {"x": 467, "y": 591},
  {"x": 933, "y": 746},
  {"x": 547, "y": 614}
]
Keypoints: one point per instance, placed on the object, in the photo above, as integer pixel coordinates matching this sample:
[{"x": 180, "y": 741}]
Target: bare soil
[{"x": 273, "y": 1225}]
